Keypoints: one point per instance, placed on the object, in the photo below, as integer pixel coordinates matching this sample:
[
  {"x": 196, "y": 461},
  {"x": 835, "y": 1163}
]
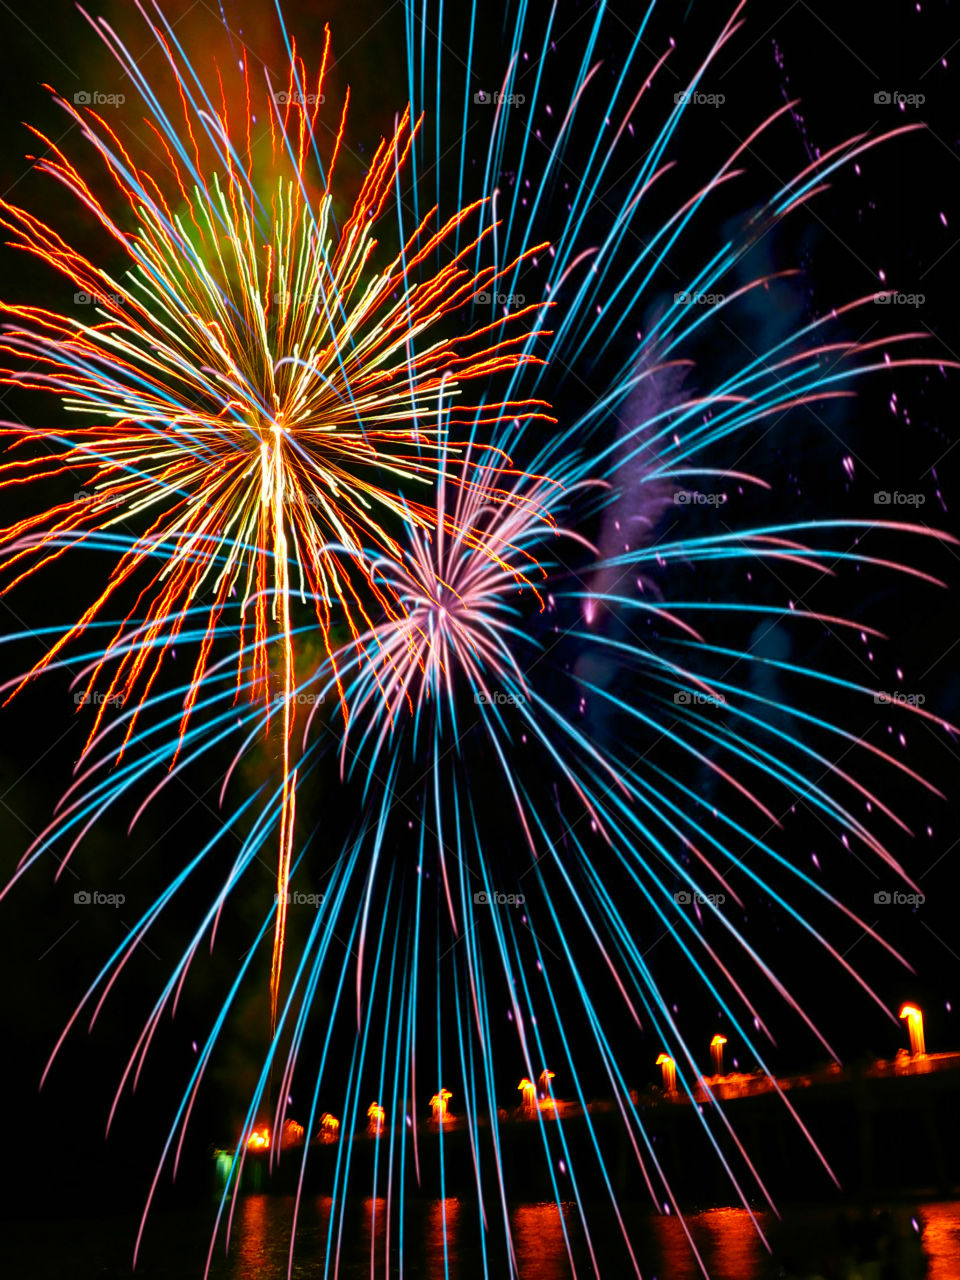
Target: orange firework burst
[{"x": 253, "y": 398}]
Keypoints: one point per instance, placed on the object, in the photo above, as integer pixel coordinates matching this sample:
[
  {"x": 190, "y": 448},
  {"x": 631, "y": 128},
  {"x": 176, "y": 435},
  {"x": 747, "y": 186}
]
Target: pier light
[
  {"x": 376, "y": 1116},
  {"x": 329, "y": 1127},
  {"x": 292, "y": 1134},
  {"x": 438, "y": 1104},
  {"x": 915, "y": 1028},
  {"x": 528, "y": 1091},
  {"x": 259, "y": 1139},
  {"x": 716, "y": 1049},
  {"x": 669, "y": 1068}
]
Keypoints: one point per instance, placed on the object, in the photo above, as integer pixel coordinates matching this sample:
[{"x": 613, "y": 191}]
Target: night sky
[{"x": 898, "y": 216}]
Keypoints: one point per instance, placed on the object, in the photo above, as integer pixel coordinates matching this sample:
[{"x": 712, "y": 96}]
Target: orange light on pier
[
  {"x": 716, "y": 1049},
  {"x": 329, "y": 1128},
  {"x": 914, "y": 1019},
  {"x": 292, "y": 1134},
  {"x": 438, "y": 1105},
  {"x": 376, "y": 1116},
  {"x": 669, "y": 1068},
  {"x": 529, "y": 1093},
  {"x": 543, "y": 1085},
  {"x": 259, "y": 1139}
]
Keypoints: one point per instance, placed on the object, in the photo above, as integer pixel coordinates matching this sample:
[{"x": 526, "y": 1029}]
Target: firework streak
[{"x": 259, "y": 394}]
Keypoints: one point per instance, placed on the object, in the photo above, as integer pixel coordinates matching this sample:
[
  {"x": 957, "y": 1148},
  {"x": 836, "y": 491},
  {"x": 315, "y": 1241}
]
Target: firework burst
[{"x": 261, "y": 398}]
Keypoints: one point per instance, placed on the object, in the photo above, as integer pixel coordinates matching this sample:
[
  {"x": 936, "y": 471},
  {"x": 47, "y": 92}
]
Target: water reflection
[
  {"x": 538, "y": 1241},
  {"x": 941, "y": 1240},
  {"x": 374, "y": 1234},
  {"x": 442, "y": 1240},
  {"x": 441, "y": 1245},
  {"x": 726, "y": 1240}
]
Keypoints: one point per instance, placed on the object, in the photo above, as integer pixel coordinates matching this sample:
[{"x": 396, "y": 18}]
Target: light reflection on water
[
  {"x": 807, "y": 1243},
  {"x": 726, "y": 1240},
  {"x": 442, "y": 1241},
  {"x": 941, "y": 1240}
]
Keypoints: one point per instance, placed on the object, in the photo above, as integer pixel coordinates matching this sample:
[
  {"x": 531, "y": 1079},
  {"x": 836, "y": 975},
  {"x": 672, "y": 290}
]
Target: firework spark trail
[
  {"x": 260, "y": 394},
  {"x": 656, "y": 800}
]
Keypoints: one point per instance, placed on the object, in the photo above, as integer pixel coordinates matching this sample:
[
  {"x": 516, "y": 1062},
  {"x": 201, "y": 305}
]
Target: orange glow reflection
[
  {"x": 441, "y": 1239},
  {"x": 941, "y": 1240},
  {"x": 726, "y": 1240},
  {"x": 538, "y": 1241}
]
